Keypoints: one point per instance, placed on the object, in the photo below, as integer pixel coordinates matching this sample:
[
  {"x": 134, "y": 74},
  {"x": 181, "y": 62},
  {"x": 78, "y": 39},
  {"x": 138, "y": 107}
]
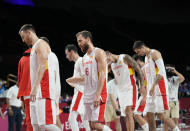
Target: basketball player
[
  {"x": 95, "y": 91},
  {"x": 42, "y": 95},
  {"x": 24, "y": 85},
  {"x": 77, "y": 105},
  {"x": 139, "y": 110},
  {"x": 123, "y": 67},
  {"x": 58, "y": 85},
  {"x": 157, "y": 101}
]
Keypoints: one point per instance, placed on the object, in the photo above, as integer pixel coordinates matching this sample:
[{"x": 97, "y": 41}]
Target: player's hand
[
  {"x": 33, "y": 95},
  {"x": 151, "y": 92},
  {"x": 96, "y": 101}
]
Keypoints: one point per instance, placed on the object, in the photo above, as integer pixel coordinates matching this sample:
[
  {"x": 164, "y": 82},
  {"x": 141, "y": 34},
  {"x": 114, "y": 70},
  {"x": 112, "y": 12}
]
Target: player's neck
[
  {"x": 34, "y": 40},
  {"x": 76, "y": 57},
  {"x": 148, "y": 50},
  {"x": 90, "y": 49},
  {"x": 115, "y": 57}
]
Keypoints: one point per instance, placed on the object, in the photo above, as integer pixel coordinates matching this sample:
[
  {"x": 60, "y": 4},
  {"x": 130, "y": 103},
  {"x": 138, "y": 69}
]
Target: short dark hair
[
  {"x": 169, "y": 65},
  {"x": 85, "y": 34},
  {"x": 138, "y": 44},
  {"x": 45, "y": 39},
  {"x": 137, "y": 57},
  {"x": 108, "y": 52},
  {"x": 70, "y": 47},
  {"x": 27, "y": 27}
]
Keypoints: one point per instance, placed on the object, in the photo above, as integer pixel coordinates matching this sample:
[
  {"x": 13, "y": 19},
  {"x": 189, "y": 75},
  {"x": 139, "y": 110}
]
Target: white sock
[
  {"x": 145, "y": 127},
  {"x": 176, "y": 129},
  {"x": 106, "y": 128}
]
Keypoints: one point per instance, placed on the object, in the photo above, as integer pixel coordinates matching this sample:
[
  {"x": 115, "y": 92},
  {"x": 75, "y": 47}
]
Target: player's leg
[
  {"x": 168, "y": 121},
  {"x": 129, "y": 118},
  {"x": 138, "y": 115},
  {"x": 151, "y": 121},
  {"x": 97, "y": 117},
  {"x": 73, "y": 120}
]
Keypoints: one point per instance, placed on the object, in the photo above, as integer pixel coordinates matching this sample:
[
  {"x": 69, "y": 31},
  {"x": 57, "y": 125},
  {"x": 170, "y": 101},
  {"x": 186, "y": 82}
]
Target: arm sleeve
[{"x": 160, "y": 65}]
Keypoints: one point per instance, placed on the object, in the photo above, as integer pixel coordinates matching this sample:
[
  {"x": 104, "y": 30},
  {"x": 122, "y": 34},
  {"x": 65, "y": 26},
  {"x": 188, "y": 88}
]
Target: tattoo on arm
[
  {"x": 158, "y": 78},
  {"x": 136, "y": 67}
]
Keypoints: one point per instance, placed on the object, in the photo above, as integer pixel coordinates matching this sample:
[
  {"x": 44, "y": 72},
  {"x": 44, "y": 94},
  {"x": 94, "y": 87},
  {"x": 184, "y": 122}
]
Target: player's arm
[
  {"x": 42, "y": 51},
  {"x": 130, "y": 61},
  {"x": 79, "y": 79},
  {"x": 115, "y": 106},
  {"x": 75, "y": 80},
  {"x": 101, "y": 63},
  {"x": 180, "y": 76},
  {"x": 157, "y": 57}
]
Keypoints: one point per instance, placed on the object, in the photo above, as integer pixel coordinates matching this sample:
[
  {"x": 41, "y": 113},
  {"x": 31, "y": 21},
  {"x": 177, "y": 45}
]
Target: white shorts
[
  {"x": 94, "y": 114},
  {"x": 139, "y": 108},
  {"x": 127, "y": 97},
  {"x": 77, "y": 103},
  {"x": 43, "y": 112},
  {"x": 157, "y": 104}
]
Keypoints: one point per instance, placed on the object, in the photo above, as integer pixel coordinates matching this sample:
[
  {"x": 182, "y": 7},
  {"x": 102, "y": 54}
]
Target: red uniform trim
[
  {"x": 45, "y": 85},
  {"x": 77, "y": 101},
  {"x": 49, "y": 112}
]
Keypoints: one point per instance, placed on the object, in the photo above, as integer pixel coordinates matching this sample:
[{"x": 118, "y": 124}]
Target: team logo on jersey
[
  {"x": 119, "y": 62},
  {"x": 91, "y": 57}
]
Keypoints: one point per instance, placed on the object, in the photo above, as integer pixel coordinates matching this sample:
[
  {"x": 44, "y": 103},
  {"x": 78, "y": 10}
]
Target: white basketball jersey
[
  {"x": 151, "y": 72},
  {"x": 47, "y": 85},
  {"x": 77, "y": 101},
  {"x": 79, "y": 71},
  {"x": 57, "y": 80},
  {"x": 91, "y": 78},
  {"x": 123, "y": 73}
]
